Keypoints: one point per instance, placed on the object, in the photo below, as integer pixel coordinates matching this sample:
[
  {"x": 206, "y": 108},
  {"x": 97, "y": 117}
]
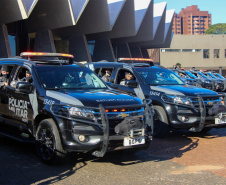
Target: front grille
[{"x": 209, "y": 101}]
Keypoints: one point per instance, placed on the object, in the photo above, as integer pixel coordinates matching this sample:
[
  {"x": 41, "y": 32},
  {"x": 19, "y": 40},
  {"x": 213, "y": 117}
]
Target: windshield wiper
[
  {"x": 55, "y": 89},
  {"x": 153, "y": 84}
]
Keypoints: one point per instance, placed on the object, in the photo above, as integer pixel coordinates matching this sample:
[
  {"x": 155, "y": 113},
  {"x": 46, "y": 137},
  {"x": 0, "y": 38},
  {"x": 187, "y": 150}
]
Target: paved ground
[{"x": 181, "y": 158}]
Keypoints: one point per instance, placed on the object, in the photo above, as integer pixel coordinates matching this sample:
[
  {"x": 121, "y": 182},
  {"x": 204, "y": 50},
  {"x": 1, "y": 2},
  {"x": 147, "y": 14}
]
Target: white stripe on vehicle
[
  {"x": 63, "y": 98},
  {"x": 167, "y": 91},
  {"x": 34, "y": 103}
]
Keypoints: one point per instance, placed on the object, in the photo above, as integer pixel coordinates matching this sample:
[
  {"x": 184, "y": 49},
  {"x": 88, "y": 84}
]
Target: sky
[{"x": 215, "y": 7}]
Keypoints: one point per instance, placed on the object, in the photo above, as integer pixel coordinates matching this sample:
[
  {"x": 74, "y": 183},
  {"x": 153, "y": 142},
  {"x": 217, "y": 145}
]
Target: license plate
[
  {"x": 128, "y": 141},
  {"x": 220, "y": 121}
]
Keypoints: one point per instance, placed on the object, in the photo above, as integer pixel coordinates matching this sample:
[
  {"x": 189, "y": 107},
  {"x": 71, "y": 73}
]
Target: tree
[
  {"x": 177, "y": 65},
  {"x": 217, "y": 29}
]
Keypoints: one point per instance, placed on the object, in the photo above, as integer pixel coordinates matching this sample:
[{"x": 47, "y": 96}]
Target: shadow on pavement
[{"x": 20, "y": 164}]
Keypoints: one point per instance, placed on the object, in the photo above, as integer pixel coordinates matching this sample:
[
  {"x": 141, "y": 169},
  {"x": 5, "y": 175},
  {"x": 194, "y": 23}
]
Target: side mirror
[
  {"x": 131, "y": 83},
  {"x": 24, "y": 87}
]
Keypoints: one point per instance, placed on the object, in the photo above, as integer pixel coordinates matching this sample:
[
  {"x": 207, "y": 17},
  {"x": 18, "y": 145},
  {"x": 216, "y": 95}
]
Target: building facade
[
  {"x": 191, "y": 21},
  {"x": 121, "y": 28},
  {"x": 200, "y": 51}
]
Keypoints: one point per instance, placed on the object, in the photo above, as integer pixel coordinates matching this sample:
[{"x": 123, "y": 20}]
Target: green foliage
[
  {"x": 217, "y": 29},
  {"x": 178, "y": 65}
]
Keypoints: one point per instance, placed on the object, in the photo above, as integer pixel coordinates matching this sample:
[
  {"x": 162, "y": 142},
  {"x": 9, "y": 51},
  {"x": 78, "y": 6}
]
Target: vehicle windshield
[
  {"x": 190, "y": 74},
  {"x": 158, "y": 76},
  {"x": 219, "y": 76},
  {"x": 200, "y": 75},
  {"x": 211, "y": 75},
  {"x": 68, "y": 77}
]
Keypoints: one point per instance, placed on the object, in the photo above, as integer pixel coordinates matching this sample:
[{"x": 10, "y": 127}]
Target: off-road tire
[
  {"x": 161, "y": 125},
  {"x": 48, "y": 143}
]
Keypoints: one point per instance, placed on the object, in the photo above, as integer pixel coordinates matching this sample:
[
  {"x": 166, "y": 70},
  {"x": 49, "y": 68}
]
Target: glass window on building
[
  {"x": 216, "y": 53},
  {"x": 170, "y": 50},
  {"x": 191, "y": 50},
  {"x": 206, "y": 53}
]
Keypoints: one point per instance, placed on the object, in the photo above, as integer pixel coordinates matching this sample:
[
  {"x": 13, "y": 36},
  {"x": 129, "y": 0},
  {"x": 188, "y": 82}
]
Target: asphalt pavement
[{"x": 180, "y": 158}]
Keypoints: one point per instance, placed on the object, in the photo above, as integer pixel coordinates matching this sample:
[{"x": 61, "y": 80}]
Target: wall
[{"x": 195, "y": 59}]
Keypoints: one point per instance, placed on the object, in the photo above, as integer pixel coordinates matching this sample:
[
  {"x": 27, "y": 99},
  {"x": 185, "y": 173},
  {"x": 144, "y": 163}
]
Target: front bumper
[
  {"x": 99, "y": 133},
  {"x": 210, "y": 86},
  {"x": 195, "y": 117}
]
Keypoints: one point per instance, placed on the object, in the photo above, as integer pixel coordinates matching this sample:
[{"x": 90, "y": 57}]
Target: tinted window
[
  {"x": 190, "y": 74},
  {"x": 158, "y": 76},
  {"x": 219, "y": 76},
  {"x": 69, "y": 77}
]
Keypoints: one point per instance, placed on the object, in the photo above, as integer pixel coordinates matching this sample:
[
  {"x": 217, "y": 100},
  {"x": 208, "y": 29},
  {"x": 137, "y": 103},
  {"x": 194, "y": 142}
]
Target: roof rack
[{"x": 136, "y": 60}]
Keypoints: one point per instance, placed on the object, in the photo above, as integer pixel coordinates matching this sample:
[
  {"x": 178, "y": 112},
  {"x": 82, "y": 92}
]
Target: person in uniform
[
  {"x": 128, "y": 76},
  {"x": 28, "y": 77},
  {"x": 4, "y": 76},
  {"x": 182, "y": 75},
  {"x": 107, "y": 76}
]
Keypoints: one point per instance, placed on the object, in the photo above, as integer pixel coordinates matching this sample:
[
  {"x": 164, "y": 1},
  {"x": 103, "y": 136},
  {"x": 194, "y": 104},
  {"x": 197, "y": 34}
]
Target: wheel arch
[{"x": 41, "y": 117}]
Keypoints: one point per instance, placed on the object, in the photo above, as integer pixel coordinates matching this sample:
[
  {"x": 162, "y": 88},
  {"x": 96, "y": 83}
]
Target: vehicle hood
[
  {"x": 93, "y": 98},
  {"x": 183, "y": 90}
]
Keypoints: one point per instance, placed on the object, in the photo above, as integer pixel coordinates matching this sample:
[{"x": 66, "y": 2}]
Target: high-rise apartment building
[{"x": 191, "y": 21}]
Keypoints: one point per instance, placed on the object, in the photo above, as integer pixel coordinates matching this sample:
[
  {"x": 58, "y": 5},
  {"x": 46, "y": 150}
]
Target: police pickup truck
[
  {"x": 66, "y": 107},
  {"x": 176, "y": 104}
]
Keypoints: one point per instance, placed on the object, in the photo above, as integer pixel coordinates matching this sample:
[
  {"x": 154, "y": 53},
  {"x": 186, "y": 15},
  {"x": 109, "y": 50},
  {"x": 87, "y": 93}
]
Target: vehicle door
[
  {"x": 3, "y": 94},
  {"x": 19, "y": 108},
  {"x": 135, "y": 89}
]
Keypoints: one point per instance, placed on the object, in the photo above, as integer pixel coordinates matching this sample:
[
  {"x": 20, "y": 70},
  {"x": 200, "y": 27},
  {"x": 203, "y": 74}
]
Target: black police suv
[
  {"x": 203, "y": 82},
  {"x": 218, "y": 75},
  {"x": 187, "y": 80},
  {"x": 176, "y": 105},
  {"x": 66, "y": 107},
  {"x": 203, "y": 78},
  {"x": 221, "y": 83}
]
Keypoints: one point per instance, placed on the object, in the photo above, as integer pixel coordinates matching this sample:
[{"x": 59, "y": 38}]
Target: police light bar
[
  {"x": 135, "y": 59},
  {"x": 43, "y": 54}
]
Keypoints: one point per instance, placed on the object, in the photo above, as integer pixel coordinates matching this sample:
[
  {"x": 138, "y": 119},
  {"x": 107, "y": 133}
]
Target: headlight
[
  {"x": 188, "y": 82},
  {"x": 207, "y": 81},
  {"x": 177, "y": 100},
  {"x": 74, "y": 111}
]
